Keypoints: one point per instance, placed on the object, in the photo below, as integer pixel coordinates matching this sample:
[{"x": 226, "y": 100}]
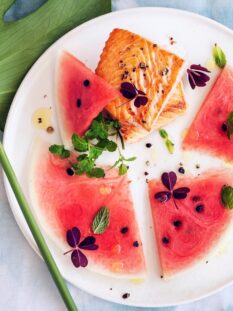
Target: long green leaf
[{"x": 23, "y": 41}]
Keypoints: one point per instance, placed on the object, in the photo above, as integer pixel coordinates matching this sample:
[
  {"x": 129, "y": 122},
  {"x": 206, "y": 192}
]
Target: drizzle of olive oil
[
  {"x": 210, "y": 64},
  {"x": 41, "y": 118},
  {"x": 137, "y": 281}
]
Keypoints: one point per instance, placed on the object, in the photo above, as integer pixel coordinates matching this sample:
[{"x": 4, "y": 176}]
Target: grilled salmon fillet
[{"x": 128, "y": 57}]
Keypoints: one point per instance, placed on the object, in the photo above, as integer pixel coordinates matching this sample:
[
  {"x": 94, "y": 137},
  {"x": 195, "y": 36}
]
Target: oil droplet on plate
[
  {"x": 137, "y": 281},
  {"x": 41, "y": 118}
]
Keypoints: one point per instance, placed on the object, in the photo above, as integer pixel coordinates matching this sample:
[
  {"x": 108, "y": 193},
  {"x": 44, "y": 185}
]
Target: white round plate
[{"x": 195, "y": 35}]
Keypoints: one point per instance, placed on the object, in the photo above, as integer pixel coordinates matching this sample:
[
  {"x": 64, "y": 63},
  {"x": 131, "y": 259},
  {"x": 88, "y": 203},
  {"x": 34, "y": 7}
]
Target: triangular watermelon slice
[
  {"x": 62, "y": 202},
  {"x": 190, "y": 232},
  {"x": 81, "y": 95},
  {"x": 208, "y": 132}
]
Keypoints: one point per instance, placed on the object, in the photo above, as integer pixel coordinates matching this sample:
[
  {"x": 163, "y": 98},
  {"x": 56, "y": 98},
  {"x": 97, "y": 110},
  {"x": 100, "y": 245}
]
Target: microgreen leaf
[
  {"x": 169, "y": 180},
  {"x": 94, "y": 152},
  {"x": 219, "y": 56},
  {"x": 101, "y": 220},
  {"x": 230, "y": 125},
  {"x": 197, "y": 76},
  {"x": 73, "y": 236},
  {"x": 82, "y": 157},
  {"x": 123, "y": 169},
  {"x": 163, "y": 196},
  {"x": 60, "y": 151},
  {"x": 79, "y": 259},
  {"x": 96, "y": 172},
  {"x": 26, "y": 39},
  {"x": 227, "y": 196},
  {"x": 88, "y": 243},
  {"x": 79, "y": 144},
  {"x": 130, "y": 159},
  {"x": 181, "y": 193}
]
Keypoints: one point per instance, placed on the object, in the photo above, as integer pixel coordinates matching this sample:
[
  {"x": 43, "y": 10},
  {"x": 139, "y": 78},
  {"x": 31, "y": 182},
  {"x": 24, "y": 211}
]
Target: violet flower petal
[
  {"x": 163, "y": 196},
  {"x": 79, "y": 259},
  {"x": 181, "y": 193},
  {"x": 140, "y": 101},
  {"x": 169, "y": 180},
  {"x": 199, "y": 67},
  {"x": 73, "y": 236},
  {"x": 128, "y": 90},
  {"x": 88, "y": 243}
]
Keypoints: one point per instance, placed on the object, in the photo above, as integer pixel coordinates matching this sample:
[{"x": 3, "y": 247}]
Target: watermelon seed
[
  {"x": 86, "y": 83},
  {"x": 148, "y": 145},
  {"x": 125, "y": 296},
  {"x": 165, "y": 240},
  {"x": 224, "y": 127},
  {"x": 124, "y": 230},
  {"x": 181, "y": 170},
  {"x": 199, "y": 208},
  {"x": 70, "y": 171},
  {"x": 78, "y": 103},
  {"x": 161, "y": 276},
  {"x": 135, "y": 244},
  {"x": 177, "y": 223}
]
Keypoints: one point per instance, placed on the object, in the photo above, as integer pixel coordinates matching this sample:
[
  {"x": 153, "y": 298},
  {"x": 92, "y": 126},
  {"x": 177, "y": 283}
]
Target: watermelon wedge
[
  {"x": 62, "y": 202},
  {"x": 81, "y": 95},
  {"x": 190, "y": 232},
  {"x": 207, "y": 132}
]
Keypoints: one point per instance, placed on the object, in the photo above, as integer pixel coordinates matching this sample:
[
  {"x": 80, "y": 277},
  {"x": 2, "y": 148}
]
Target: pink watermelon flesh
[
  {"x": 66, "y": 201},
  {"x": 199, "y": 232},
  {"x": 206, "y": 132},
  {"x": 77, "y": 104}
]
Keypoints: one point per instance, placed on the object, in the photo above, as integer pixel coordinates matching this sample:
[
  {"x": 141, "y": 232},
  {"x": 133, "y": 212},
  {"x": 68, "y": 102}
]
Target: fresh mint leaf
[
  {"x": 219, "y": 56},
  {"x": 26, "y": 39},
  {"x": 59, "y": 150},
  {"x": 83, "y": 166},
  {"x": 101, "y": 220},
  {"x": 230, "y": 125},
  {"x": 97, "y": 172},
  {"x": 227, "y": 196},
  {"x": 79, "y": 144},
  {"x": 163, "y": 133},
  {"x": 123, "y": 169},
  {"x": 82, "y": 157},
  {"x": 94, "y": 152}
]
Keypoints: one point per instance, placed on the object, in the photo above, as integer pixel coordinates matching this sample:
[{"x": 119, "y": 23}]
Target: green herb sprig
[
  {"x": 227, "y": 196},
  {"x": 101, "y": 220},
  {"x": 219, "y": 56},
  {"x": 169, "y": 144},
  {"x": 94, "y": 142}
]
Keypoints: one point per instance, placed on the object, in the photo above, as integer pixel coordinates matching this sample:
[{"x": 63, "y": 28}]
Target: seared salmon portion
[{"x": 128, "y": 57}]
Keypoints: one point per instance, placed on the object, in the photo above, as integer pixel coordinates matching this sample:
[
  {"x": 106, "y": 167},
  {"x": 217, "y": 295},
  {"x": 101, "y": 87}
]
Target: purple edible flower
[
  {"x": 169, "y": 181},
  {"x": 198, "y": 76},
  {"x": 129, "y": 91},
  {"x": 78, "y": 258}
]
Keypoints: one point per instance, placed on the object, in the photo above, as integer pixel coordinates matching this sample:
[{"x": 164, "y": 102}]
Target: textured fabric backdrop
[{"x": 24, "y": 281}]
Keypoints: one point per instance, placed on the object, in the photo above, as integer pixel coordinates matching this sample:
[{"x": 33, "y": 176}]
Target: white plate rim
[{"x": 19, "y": 217}]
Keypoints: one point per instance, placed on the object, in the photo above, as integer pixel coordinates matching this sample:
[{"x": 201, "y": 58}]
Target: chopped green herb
[
  {"x": 169, "y": 144},
  {"x": 60, "y": 151},
  {"x": 227, "y": 196},
  {"x": 230, "y": 125},
  {"x": 219, "y": 56},
  {"x": 163, "y": 133},
  {"x": 101, "y": 220}
]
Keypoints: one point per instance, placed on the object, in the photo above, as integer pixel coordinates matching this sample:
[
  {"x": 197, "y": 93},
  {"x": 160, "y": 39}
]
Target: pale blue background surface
[{"x": 24, "y": 281}]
